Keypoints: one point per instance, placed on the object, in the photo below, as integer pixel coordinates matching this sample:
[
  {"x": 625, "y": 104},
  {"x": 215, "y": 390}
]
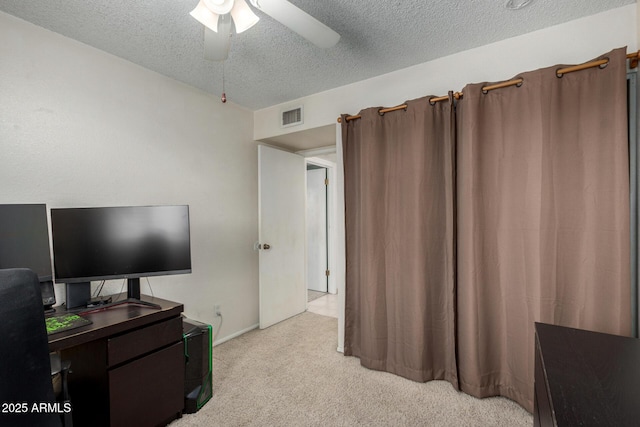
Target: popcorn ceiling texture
[{"x": 269, "y": 64}]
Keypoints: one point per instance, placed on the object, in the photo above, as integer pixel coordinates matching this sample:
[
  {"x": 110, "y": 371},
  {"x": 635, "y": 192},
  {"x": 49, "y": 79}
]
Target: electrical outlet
[{"x": 216, "y": 310}]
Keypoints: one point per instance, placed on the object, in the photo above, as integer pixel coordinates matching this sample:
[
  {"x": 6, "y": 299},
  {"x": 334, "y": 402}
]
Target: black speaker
[
  {"x": 198, "y": 341},
  {"x": 48, "y": 294},
  {"x": 78, "y": 294}
]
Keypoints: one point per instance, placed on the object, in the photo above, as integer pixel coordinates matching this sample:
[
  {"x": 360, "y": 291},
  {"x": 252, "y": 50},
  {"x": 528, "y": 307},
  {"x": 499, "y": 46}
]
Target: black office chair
[
  {"x": 25, "y": 368},
  {"x": 60, "y": 370}
]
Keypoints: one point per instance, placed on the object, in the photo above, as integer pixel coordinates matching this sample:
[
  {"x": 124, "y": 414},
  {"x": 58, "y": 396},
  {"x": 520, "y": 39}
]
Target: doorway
[
  {"x": 321, "y": 288},
  {"x": 317, "y": 230}
]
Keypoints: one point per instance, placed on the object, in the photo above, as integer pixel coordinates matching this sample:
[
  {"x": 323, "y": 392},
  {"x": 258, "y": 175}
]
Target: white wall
[
  {"x": 574, "y": 42},
  {"x": 80, "y": 127}
]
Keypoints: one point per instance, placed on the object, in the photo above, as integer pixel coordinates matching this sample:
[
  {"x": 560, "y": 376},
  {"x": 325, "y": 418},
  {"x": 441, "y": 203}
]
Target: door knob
[{"x": 266, "y": 246}]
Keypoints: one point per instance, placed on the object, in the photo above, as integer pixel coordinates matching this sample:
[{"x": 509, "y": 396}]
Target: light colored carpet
[
  {"x": 291, "y": 375},
  {"x": 311, "y": 295}
]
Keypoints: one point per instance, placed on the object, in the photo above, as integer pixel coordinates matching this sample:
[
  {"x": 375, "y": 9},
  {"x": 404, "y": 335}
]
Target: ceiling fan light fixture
[
  {"x": 243, "y": 16},
  {"x": 221, "y": 7},
  {"x": 205, "y": 16},
  {"x": 219, "y": 17}
]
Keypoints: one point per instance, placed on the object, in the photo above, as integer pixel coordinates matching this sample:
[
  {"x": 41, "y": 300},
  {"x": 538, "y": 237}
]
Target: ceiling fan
[{"x": 218, "y": 15}]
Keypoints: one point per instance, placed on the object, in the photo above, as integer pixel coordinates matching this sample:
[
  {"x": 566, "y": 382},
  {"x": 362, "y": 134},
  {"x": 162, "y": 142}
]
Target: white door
[
  {"x": 281, "y": 193},
  {"x": 317, "y": 230}
]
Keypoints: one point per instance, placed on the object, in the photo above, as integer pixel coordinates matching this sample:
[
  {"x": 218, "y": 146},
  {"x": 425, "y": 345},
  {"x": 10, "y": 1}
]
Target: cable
[
  {"x": 98, "y": 289},
  {"x": 150, "y": 288},
  {"x": 219, "y": 326},
  {"x": 124, "y": 281}
]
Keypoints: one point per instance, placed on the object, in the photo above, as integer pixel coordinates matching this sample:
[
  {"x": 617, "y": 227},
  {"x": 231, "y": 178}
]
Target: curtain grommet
[{"x": 602, "y": 66}]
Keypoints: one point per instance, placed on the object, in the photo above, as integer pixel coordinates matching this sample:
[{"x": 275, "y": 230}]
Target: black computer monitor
[
  {"x": 24, "y": 243},
  {"x": 127, "y": 242}
]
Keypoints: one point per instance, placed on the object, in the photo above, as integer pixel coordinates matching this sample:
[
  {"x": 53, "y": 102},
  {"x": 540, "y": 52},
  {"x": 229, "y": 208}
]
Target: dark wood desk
[
  {"x": 127, "y": 368},
  {"x": 585, "y": 378}
]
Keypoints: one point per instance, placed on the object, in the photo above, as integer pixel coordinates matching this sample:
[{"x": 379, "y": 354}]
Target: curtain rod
[{"x": 633, "y": 57}]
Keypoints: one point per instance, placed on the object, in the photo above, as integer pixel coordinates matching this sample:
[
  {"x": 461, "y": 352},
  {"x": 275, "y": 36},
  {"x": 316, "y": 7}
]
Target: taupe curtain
[
  {"x": 543, "y": 219},
  {"x": 399, "y": 201}
]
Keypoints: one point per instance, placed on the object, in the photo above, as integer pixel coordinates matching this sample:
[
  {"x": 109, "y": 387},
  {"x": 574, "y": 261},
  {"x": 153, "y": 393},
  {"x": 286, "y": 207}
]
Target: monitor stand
[
  {"x": 133, "y": 294},
  {"x": 133, "y": 297}
]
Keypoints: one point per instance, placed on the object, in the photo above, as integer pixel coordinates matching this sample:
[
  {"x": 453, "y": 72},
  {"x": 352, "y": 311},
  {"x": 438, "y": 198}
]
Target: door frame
[
  {"x": 317, "y": 223},
  {"x": 331, "y": 238},
  {"x": 337, "y": 231}
]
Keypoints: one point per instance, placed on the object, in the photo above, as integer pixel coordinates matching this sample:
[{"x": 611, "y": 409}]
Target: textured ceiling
[{"x": 269, "y": 64}]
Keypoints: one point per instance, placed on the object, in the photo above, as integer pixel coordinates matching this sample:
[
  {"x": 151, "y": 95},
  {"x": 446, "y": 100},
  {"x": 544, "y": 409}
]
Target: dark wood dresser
[
  {"x": 585, "y": 378},
  {"x": 127, "y": 368}
]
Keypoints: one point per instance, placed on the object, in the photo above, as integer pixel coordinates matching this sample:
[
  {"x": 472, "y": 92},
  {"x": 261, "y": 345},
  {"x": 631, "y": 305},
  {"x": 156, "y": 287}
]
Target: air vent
[{"x": 292, "y": 117}]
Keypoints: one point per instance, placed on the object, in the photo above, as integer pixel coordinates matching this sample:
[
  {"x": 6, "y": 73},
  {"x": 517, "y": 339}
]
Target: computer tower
[{"x": 198, "y": 341}]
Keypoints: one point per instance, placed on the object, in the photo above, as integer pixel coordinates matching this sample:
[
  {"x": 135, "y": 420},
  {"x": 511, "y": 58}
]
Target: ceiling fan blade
[
  {"x": 216, "y": 45},
  {"x": 299, "y": 21}
]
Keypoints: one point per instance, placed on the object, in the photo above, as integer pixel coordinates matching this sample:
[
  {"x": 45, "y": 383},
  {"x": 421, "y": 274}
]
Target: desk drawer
[
  {"x": 148, "y": 391},
  {"x": 144, "y": 340}
]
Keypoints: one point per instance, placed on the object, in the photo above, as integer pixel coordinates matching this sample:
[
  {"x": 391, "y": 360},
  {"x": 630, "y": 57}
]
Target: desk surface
[
  {"x": 114, "y": 320},
  {"x": 592, "y": 378}
]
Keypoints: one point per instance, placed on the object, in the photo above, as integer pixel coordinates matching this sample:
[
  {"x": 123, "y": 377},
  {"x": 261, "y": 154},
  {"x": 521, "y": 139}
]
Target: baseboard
[{"x": 237, "y": 334}]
